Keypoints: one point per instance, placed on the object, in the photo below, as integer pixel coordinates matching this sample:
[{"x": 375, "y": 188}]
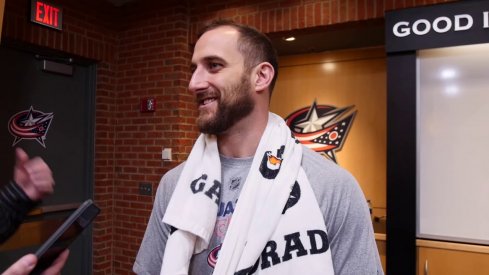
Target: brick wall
[
  {"x": 153, "y": 56},
  {"x": 142, "y": 50},
  {"x": 89, "y": 31},
  {"x": 105, "y": 121}
]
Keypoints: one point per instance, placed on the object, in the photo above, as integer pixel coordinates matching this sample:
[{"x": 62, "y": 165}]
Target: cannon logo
[
  {"x": 270, "y": 163},
  {"x": 322, "y": 128},
  {"x": 30, "y": 124}
]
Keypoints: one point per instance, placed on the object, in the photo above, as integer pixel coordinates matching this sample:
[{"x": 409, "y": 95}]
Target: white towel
[{"x": 277, "y": 212}]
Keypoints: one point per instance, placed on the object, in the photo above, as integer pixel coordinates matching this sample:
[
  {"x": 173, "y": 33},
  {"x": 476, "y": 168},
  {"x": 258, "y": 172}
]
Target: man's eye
[{"x": 214, "y": 66}]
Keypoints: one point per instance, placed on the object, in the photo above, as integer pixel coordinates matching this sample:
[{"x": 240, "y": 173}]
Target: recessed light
[
  {"x": 448, "y": 73},
  {"x": 329, "y": 66},
  {"x": 290, "y": 38}
]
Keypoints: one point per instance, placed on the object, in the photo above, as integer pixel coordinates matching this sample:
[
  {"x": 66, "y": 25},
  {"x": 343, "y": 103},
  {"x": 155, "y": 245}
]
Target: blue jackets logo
[
  {"x": 30, "y": 124},
  {"x": 322, "y": 128}
]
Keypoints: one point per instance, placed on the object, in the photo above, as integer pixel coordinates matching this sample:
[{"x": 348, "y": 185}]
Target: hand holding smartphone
[{"x": 71, "y": 228}]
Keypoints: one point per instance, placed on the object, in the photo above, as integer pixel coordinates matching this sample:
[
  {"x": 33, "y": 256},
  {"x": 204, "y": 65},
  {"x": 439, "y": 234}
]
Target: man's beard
[{"x": 236, "y": 105}]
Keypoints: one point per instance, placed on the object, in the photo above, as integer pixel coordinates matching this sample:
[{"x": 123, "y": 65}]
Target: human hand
[
  {"x": 23, "y": 266},
  {"x": 27, "y": 263},
  {"x": 32, "y": 175},
  {"x": 58, "y": 264}
]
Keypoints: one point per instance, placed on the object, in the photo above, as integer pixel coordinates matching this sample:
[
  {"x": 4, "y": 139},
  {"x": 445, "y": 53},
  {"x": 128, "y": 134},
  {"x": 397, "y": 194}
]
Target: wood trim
[
  {"x": 31, "y": 234},
  {"x": 380, "y": 237},
  {"x": 332, "y": 56},
  {"x": 54, "y": 208},
  {"x": 2, "y": 11},
  {"x": 38, "y": 226},
  {"x": 453, "y": 246}
]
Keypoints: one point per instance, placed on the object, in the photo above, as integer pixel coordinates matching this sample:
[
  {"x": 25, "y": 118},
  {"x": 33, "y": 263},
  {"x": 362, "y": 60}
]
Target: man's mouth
[{"x": 205, "y": 99}]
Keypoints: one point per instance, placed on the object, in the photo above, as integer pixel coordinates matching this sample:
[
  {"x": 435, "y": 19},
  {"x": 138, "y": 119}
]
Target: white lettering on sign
[
  {"x": 486, "y": 19},
  {"x": 401, "y": 29},
  {"x": 458, "y": 20},
  {"x": 436, "y": 24},
  {"x": 424, "y": 30},
  {"x": 442, "y": 24}
]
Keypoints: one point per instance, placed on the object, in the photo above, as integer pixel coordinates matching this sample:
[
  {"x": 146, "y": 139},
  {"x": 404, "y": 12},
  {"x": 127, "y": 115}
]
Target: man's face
[{"x": 219, "y": 81}]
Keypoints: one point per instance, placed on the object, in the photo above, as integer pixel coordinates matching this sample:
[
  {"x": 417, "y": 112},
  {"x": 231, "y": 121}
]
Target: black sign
[
  {"x": 46, "y": 14},
  {"x": 451, "y": 24}
]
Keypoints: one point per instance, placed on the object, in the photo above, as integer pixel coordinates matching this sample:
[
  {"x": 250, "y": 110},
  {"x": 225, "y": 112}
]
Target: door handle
[{"x": 426, "y": 267}]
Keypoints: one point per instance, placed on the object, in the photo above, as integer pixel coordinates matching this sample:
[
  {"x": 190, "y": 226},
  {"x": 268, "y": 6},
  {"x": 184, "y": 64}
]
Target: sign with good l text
[
  {"x": 46, "y": 14},
  {"x": 450, "y": 24}
]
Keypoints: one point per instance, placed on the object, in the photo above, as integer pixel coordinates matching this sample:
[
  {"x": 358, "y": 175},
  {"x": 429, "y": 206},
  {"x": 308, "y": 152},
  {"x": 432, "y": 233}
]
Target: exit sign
[{"x": 46, "y": 14}]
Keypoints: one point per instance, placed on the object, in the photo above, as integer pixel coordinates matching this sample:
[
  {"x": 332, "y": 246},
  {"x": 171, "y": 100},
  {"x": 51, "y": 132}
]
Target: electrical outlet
[
  {"x": 166, "y": 154},
  {"x": 145, "y": 189}
]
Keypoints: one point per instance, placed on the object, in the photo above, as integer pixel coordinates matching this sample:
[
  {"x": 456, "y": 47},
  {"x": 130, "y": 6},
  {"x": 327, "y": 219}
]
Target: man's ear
[{"x": 264, "y": 75}]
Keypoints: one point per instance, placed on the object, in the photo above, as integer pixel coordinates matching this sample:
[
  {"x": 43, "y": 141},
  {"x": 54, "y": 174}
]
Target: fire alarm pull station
[{"x": 148, "y": 105}]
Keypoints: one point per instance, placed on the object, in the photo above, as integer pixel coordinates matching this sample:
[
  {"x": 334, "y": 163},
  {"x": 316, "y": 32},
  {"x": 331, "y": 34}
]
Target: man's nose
[{"x": 198, "y": 81}]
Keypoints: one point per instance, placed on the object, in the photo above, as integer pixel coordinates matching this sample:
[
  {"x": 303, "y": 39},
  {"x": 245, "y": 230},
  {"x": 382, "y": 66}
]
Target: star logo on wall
[
  {"x": 322, "y": 128},
  {"x": 30, "y": 124}
]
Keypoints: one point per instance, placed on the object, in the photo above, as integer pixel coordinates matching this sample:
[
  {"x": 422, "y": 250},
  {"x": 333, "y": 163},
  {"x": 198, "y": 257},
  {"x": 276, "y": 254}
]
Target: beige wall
[{"x": 341, "y": 79}]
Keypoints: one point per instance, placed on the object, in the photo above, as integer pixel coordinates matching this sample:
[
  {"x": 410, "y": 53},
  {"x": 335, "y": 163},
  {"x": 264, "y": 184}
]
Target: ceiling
[
  {"x": 341, "y": 36},
  {"x": 319, "y": 39}
]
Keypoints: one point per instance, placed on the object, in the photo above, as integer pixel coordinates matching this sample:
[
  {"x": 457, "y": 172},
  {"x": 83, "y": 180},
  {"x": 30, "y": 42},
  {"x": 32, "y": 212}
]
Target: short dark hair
[{"x": 255, "y": 46}]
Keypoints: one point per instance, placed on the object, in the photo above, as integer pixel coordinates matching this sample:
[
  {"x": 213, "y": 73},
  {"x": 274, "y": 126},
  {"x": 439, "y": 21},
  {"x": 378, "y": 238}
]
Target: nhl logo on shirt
[{"x": 322, "y": 128}]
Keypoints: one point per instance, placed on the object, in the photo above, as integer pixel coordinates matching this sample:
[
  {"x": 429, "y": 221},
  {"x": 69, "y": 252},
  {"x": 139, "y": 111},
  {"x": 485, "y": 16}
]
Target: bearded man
[{"x": 293, "y": 211}]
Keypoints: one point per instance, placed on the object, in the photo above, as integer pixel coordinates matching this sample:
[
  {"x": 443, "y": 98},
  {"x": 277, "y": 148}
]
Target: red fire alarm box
[{"x": 148, "y": 105}]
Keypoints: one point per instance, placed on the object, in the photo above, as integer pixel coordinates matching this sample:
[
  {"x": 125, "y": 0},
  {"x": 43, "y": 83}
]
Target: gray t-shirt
[{"x": 339, "y": 197}]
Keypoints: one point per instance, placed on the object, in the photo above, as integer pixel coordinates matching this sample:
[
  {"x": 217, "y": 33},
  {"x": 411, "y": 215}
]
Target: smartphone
[{"x": 66, "y": 233}]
